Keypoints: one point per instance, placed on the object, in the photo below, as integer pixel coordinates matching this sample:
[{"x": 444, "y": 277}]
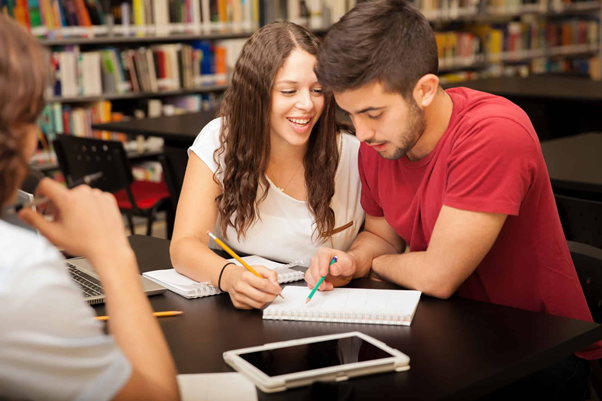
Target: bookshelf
[{"x": 477, "y": 39}]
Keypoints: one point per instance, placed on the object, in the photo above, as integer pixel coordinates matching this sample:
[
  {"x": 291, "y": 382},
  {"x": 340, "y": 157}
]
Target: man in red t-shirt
[{"x": 457, "y": 176}]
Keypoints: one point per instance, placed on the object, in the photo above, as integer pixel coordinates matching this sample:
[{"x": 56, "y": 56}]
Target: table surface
[
  {"x": 180, "y": 128},
  {"x": 545, "y": 87},
  {"x": 459, "y": 349},
  {"x": 575, "y": 162}
]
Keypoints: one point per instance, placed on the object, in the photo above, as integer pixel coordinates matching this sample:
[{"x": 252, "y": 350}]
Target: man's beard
[{"x": 415, "y": 129}]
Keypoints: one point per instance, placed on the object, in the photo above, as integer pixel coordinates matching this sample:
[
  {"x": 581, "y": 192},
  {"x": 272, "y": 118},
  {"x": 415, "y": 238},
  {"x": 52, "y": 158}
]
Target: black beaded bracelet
[{"x": 219, "y": 280}]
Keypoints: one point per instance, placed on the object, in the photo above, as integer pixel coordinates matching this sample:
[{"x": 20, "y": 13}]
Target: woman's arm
[{"x": 197, "y": 213}]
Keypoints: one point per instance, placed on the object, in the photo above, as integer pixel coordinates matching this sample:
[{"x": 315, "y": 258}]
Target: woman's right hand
[{"x": 248, "y": 291}]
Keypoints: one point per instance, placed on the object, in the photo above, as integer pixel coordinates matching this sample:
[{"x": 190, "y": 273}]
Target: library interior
[{"x": 470, "y": 269}]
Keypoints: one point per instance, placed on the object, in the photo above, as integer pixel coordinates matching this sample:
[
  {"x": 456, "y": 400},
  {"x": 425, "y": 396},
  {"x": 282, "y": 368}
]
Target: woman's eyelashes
[{"x": 291, "y": 92}]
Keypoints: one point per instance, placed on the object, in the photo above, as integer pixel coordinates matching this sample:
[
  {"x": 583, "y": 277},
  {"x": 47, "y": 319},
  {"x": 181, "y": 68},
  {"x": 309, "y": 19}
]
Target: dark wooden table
[
  {"x": 177, "y": 131},
  {"x": 459, "y": 349},
  {"x": 575, "y": 164},
  {"x": 538, "y": 86}
]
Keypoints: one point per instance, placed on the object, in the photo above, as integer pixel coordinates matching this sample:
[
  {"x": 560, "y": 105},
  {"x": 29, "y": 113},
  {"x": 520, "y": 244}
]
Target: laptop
[
  {"x": 81, "y": 269},
  {"x": 83, "y": 273}
]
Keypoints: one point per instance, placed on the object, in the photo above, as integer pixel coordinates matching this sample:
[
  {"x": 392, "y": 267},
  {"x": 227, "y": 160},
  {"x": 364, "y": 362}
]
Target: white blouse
[{"x": 284, "y": 229}]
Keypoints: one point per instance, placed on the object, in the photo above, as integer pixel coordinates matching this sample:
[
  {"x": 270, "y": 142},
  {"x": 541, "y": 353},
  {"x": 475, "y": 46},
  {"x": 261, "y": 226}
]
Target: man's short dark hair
[{"x": 386, "y": 41}]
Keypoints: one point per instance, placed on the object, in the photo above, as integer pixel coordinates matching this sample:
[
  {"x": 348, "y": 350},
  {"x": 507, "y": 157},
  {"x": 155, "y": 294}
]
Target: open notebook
[
  {"x": 346, "y": 305},
  {"x": 182, "y": 285}
]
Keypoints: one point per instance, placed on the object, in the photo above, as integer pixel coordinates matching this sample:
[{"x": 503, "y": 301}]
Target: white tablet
[{"x": 337, "y": 357}]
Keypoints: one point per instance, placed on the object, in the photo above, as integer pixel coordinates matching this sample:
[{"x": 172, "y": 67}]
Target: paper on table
[{"x": 216, "y": 387}]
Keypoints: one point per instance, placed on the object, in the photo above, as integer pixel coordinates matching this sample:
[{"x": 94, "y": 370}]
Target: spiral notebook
[
  {"x": 188, "y": 288},
  {"x": 345, "y": 305}
]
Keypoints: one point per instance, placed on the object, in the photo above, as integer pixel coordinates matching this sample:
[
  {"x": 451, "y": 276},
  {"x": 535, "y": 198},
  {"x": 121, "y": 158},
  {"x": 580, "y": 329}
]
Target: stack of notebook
[{"x": 184, "y": 286}]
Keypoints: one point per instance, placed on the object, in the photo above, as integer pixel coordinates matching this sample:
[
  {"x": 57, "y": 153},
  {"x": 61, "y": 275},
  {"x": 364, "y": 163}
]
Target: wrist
[
  {"x": 358, "y": 269},
  {"x": 229, "y": 270},
  {"x": 118, "y": 261}
]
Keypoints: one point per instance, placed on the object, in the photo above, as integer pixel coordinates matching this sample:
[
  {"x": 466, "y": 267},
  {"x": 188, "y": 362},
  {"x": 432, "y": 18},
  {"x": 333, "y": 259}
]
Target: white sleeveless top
[{"x": 284, "y": 229}]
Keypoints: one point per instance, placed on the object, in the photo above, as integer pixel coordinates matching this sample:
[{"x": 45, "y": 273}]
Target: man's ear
[{"x": 425, "y": 90}]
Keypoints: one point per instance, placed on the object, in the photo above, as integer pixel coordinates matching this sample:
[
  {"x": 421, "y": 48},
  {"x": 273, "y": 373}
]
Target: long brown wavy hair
[
  {"x": 22, "y": 83},
  {"x": 245, "y": 132}
]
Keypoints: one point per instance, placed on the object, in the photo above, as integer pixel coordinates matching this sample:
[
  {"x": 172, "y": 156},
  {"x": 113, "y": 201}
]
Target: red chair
[{"x": 78, "y": 157}]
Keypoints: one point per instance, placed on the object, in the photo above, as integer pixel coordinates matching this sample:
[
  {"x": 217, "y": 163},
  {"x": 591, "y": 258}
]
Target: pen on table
[
  {"x": 87, "y": 179},
  {"x": 235, "y": 256},
  {"x": 157, "y": 314},
  {"x": 311, "y": 294}
]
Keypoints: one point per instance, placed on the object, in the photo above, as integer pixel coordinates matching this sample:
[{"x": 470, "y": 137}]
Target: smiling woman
[{"x": 275, "y": 175}]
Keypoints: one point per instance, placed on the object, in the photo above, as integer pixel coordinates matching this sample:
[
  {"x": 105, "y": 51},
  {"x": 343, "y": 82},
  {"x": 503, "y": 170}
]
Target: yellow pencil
[
  {"x": 157, "y": 314},
  {"x": 235, "y": 256}
]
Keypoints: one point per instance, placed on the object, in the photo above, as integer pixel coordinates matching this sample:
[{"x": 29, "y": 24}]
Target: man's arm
[
  {"x": 460, "y": 241},
  {"x": 378, "y": 238}
]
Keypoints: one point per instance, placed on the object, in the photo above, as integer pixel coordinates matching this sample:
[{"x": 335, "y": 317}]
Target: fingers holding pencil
[{"x": 241, "y": 261}]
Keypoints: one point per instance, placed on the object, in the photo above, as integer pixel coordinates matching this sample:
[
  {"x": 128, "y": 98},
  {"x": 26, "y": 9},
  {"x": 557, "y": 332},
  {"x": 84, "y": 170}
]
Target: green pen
[{"x": 311, "y": 294}]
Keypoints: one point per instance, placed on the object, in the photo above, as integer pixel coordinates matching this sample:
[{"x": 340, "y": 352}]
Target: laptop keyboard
[{"x": 89, "y": 288}]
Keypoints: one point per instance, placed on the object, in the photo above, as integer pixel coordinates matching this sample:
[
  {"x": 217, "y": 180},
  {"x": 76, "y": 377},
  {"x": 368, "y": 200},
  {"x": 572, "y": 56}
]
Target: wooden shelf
[
  {"x": 474, "y": 14},
  {"x": 137, "y": 95},
  {"x": 120, "y": 39},
  {"x": 520, "y": 57},
  {"x": 132, "y": 39}
]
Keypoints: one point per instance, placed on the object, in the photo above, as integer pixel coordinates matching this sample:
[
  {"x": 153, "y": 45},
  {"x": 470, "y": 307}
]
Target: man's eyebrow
[{"x": 367, "y": 109}]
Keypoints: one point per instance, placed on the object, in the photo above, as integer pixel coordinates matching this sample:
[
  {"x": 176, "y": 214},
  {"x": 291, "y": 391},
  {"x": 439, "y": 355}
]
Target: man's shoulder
[{"x": 484, "y": 109}]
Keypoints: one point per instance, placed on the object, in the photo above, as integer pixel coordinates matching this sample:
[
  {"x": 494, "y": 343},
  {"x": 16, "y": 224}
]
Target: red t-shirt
[{"x": 488, "y": 160}]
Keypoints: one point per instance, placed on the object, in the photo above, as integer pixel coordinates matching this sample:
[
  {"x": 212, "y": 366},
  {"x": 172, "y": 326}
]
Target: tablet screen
[{"x": 323, "y": 354}]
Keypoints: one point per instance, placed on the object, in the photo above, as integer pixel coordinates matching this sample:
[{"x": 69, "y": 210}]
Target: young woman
[
  {"x": 51, "y": 348},
  {"x": 274, "y": 176}
]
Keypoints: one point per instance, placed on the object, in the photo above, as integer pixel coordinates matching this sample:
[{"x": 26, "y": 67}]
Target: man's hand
[{"x": 340, "y": 273}]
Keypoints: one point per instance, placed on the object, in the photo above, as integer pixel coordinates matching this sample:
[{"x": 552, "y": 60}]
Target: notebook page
[
  {"x": 216, "y": 387},
  {"x": 258, "y": 261},
  {"x": 351, "y": 305}
]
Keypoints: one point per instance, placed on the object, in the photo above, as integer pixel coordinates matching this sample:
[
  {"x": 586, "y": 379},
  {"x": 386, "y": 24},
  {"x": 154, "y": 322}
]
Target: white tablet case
[{"x": 398, "y": 362}]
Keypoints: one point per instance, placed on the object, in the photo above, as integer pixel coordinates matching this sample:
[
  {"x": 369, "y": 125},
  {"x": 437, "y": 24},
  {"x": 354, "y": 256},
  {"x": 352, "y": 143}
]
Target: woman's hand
[{"x": 248, "y": 291}]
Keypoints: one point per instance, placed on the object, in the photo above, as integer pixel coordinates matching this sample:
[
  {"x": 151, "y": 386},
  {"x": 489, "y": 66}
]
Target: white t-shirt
[
  {"x": 51, "y": 348},
  {"x": 285, "y": 228}
]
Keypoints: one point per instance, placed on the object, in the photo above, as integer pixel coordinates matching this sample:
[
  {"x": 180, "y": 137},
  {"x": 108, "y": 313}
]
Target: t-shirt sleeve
[
  {"x": 492, "y": 167},
  {"x": 368, "y": 201},
  {"x": 206, "y": 143},
  {"x": 52, "y": 348}
]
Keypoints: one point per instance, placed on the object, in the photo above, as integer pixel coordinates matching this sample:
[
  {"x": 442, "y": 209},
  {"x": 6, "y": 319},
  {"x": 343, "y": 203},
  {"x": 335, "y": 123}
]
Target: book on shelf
[
  {"x": 461, "y": 9},
  {"x": 89, "y": 18},
  {"x": 515, "y": 41},
  {"x": 170, "y": 67}
]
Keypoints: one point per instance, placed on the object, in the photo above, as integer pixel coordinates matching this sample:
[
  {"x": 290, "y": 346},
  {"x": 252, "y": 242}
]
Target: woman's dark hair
[
  {"x": 22, "y": 83},
  {"x": 245, "y": 132},
  {"x": 385, "y": 41}
]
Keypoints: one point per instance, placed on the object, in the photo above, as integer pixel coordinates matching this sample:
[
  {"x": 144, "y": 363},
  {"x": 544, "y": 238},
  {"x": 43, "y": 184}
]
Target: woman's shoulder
[
  {"x": 212, "y": 128},
  {"x": 208, "y": 139},
  {"x": 350, "y": 146}
]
